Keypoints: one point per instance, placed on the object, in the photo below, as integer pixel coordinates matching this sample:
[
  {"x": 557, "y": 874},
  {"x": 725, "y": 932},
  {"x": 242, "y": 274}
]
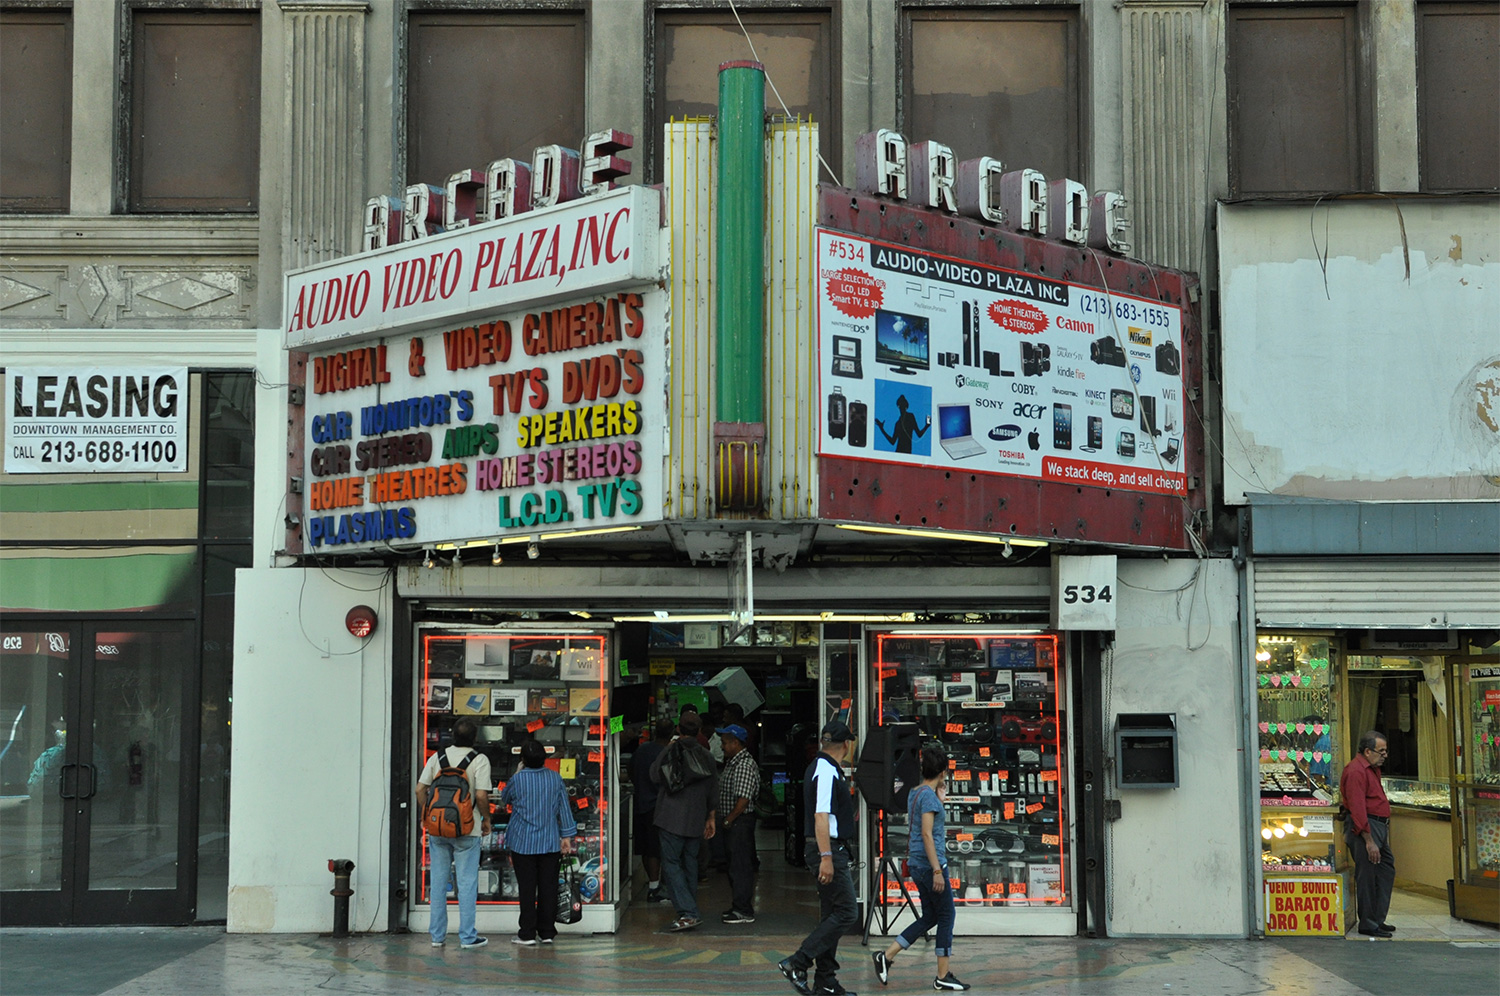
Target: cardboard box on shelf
[{"x": 733, "y": 685}]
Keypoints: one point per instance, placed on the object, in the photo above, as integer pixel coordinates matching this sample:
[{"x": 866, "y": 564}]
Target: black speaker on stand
[{"x": 890, "y": 766}]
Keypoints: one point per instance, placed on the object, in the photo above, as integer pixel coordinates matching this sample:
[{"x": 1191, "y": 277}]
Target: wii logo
[{"x": 1169, "y": 394}]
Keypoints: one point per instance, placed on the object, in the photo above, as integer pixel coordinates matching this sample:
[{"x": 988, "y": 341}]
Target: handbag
[
  {"x": 681, "y": 766},
  {"x": 569, "y": 895}
]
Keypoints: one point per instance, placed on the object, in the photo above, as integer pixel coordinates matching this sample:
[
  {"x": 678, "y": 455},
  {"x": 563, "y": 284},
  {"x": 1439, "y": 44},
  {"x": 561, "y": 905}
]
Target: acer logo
[{"x": 1023, "y": 410}]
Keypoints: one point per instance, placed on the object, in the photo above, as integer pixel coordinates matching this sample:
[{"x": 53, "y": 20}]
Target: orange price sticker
[
  {"x": 983, "y": 819},
  {"x": 954, "y": 728},
  {"x": 1035, "y": 807},
  {"x": 984, "y": 752},
  {"x": 963, "y": 836},
  {"x": 1010, "y": 810},
  {"x": 953, "y": 884},
  {"x": 1049, "y": 776},
  {"x": 1004, "y": 774},
  {"x": 1017, "y": 888},
  {"x": 535, "y": 724},
  {"x": 846, "y": 703},
  {"x": 888, "y": 672},
  {"x": 1049, "y": 840},
  {"x": 962, "y": 775},
  {"x": 952, "y": 765},
  {"x": 583, "y": 803},
  {"x": 596, "y": 756},
  {"x": 994, "y": 888}
]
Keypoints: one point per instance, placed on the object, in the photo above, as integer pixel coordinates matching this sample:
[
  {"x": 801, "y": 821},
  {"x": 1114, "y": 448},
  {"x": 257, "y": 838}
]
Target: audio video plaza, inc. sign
[{"x": 518, "y": 390}]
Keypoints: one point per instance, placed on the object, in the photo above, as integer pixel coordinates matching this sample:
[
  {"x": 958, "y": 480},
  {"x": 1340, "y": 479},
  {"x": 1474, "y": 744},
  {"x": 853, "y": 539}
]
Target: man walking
[
  {"x": 829, "y": 826},
  {"x": 1367, "y": 832},
  {"x": 738, "y": 786},
  {"x": 461, "y": 853},
  {"x": 647, "y": 838},
  {"x": 684, "y": 817}
]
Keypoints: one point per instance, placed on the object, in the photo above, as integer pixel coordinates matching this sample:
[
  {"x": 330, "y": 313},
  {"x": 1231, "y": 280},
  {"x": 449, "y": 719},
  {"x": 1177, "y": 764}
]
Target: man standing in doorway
[
  {"x": 647, "y": 837},
  {"x": 1367, "y": 831},
  {"x": 829, "y": 825},
  {"x": 458, "y": 854},
  {"x": 739, "y": 784},
  {"x": 685, "y": 817}
]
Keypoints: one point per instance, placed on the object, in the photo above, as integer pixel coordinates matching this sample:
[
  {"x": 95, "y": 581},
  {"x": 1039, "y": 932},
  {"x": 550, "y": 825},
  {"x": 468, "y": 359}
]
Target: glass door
[
  {"x": 1475, "y": 692},
  {"x": 99, "y": 829}
]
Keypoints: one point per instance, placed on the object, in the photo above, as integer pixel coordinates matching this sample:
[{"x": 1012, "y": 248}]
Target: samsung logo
[{"x": 1004, "y": 432}]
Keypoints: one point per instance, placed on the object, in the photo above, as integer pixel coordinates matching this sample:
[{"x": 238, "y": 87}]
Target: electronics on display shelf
[
  {"x": 520, "y": 685},
  {"x": 991, "y": 703}
]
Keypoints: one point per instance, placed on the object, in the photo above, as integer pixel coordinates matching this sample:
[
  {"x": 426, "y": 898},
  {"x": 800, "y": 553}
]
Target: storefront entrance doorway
[{"x": 95, "y": 773}]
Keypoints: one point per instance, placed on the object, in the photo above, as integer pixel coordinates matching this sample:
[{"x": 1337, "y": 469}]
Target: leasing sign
[{"x": 96, "y": 420}]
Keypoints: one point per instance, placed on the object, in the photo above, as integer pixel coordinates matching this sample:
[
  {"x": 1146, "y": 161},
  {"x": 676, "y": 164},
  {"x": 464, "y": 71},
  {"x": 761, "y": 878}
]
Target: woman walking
[
  {"x": 929, "y": 870},
  {"x": 541, "y": 831}
]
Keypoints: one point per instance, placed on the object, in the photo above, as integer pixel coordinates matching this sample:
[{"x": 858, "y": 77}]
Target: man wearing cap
[
  {"x": 739, "y": 784},
  {"x": 829, "y": 826}
]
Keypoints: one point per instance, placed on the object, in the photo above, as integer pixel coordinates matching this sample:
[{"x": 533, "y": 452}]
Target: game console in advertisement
[{"x": 847, "y": 361}]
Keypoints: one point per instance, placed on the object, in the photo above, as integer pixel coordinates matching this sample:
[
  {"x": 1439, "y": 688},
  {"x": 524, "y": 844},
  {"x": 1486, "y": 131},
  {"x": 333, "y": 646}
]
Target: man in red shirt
[{"x": 1367, "y": 831}]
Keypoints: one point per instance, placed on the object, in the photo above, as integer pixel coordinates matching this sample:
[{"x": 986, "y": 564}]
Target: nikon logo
[{"x": 1141, "y": 337}]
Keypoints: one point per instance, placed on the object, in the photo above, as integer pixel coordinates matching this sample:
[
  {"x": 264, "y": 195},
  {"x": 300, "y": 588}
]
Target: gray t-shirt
[{"x": 924, "y": 799}]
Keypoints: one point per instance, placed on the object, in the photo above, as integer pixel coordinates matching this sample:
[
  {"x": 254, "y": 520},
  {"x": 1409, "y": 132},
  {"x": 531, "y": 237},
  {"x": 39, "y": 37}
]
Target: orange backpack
[{"x": 450, "y": 804}]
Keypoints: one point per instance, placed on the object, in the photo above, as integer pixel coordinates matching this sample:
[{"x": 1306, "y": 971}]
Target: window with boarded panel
[
  {"x": 195, "y": 111},
  {"x": 795, "y": 46},
  {"x": 1458, "y": 95},
  {"x": 36, "y": 100},
  {"x": 1295, "y": 115},
  {"x": 994, "y": 82},
  {"x": 487, "y": 86}
]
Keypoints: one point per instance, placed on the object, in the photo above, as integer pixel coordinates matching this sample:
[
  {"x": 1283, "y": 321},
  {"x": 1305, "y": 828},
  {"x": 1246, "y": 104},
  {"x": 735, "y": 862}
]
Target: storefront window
[
  {"x": 549, "y": 685},
  {"x": 1405, "y": 699},
  {"x": 992, "y": 701}
]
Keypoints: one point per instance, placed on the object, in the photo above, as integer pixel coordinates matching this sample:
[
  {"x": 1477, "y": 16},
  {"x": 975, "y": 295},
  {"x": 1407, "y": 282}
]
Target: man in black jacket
[
  {"x": 829, "y": 825},
  {"x": 685, "y": 818}
]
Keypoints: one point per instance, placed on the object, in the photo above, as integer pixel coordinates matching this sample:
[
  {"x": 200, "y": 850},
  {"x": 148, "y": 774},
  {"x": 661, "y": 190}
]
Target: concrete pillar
[
  {"x": 616, "y": 53},
  {"x": 867, "y": 33},
  {"x": 1392, "y": 31},
  {"x": 95, "y": 99}
]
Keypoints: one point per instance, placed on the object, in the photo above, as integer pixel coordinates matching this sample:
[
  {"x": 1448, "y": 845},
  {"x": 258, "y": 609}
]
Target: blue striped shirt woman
[{"x": 541, "y": 830}]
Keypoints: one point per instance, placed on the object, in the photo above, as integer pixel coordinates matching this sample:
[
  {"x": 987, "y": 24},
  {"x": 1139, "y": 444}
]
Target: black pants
[
  {"x": 536, "y": 876},
  {"x": 1373, "y": 882},
  {"x": 840, "y": 911},
  {"x": 739, "y": 840}
]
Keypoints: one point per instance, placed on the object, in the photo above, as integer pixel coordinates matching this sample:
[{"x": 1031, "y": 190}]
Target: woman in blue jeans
[{"x": 929, "y": 870}]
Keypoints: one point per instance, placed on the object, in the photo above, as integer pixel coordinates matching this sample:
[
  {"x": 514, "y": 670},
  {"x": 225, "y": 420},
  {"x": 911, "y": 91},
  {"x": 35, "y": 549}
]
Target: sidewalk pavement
[{"x": 186, "y": 961}]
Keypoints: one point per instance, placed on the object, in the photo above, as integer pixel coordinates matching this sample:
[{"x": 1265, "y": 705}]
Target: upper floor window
[
  {"x": 194, "y": 120},
  {"x": 1458, "y": 95},
  {"x": 487, "y": 86},
  {"x": 795, "y": 46},
  {"x": 994, "y": 82},
  {"x": 1296, "y": 104},
  {"x": 36, "y": 81}
]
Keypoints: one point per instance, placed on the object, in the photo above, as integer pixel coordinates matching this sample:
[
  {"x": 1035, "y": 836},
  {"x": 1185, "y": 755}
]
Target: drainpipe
[{"x": 739, "y": 308}]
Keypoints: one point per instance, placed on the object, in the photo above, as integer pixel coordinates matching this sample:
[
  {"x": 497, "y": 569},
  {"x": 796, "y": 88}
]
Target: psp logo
[
  {"x": 1135, "y": 372},
  {"x": 1024, "y": 410}
]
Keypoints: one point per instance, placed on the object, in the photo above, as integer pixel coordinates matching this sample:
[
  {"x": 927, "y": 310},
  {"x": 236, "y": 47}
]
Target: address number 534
[{"x": 1086, "y": 593}]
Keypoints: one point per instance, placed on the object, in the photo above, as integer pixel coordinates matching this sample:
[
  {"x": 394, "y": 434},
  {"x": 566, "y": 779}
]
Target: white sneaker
[{"x": 528, "y": 942}]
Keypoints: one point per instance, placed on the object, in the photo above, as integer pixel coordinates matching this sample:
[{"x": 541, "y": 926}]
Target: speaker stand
[{"x": 886, "y": 871}]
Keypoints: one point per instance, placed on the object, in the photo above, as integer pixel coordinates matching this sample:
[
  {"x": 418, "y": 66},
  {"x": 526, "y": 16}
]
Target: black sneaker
[
  {"x": 655, "y": 896},
  {"x": 796, "y": 976},
  {"x": 735, "y": 916},
  {"x": 835, "y": 989},
  {"x": 947, "y": 982},
  {"x": 882, "y": 966}
]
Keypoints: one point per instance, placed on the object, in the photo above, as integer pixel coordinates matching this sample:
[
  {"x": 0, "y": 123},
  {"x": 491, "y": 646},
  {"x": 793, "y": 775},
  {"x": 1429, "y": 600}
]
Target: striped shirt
[
  {"x": 540, "y": 812},
  {"x": 739, "y": 780}
]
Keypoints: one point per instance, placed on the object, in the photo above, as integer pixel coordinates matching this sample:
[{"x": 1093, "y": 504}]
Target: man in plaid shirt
[{"x": 738, "y": 787}]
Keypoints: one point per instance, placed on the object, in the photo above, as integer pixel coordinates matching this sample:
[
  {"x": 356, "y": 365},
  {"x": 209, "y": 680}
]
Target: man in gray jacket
[{"x": 685, "y": 818}]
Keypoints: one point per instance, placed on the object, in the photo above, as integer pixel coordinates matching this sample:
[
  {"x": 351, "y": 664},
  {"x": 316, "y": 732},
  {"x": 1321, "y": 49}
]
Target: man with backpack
[
  {"x": 684, "y": 816},
  {"x": 453, "y": 793}
]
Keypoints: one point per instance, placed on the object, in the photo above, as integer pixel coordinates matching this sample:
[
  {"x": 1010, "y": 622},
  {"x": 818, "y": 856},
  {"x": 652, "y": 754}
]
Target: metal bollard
[{"x": 341, "y": 868}]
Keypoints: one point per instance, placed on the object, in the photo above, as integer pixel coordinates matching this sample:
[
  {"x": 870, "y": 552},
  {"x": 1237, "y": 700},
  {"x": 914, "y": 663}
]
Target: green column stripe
[
  {"x": 94, "y": 584},
  {"x": 741, "y": 235},
  {"x": 105, "y": 497}
]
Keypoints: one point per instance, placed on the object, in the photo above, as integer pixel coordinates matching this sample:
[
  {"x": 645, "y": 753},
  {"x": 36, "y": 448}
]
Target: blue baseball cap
[{"x": 736, "y": 731}]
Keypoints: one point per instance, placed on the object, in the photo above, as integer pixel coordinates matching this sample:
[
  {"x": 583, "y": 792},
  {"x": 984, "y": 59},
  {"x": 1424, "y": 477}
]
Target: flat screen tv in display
[{"x": 901, "y": 342}]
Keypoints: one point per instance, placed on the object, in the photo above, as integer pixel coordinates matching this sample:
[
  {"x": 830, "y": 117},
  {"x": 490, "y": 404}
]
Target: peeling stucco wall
[{"x": 1344, "y": 377}]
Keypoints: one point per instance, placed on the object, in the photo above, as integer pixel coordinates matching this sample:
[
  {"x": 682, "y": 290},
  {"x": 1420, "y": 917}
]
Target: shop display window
[
  {"x": 1300, "y": 842},
  {"x": 992, "y": 701},
  {"x": 1479, "y": 798},
  {"x": 549, "y": 685},
  {"x": 1298, "y": 721}
]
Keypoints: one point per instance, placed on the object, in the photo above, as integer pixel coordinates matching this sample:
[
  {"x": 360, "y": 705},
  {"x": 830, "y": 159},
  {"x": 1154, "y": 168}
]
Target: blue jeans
[
  {"x": 462, "y": 853},
  {"x": 679, "y": 872},
  {"x": 937, "y": 910}
]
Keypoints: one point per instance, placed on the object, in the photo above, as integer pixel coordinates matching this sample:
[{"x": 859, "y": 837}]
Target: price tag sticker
[
  {"x": 953, "y": 884},
  {"x": 994, "y": 888},
  {"x": 963, "y": 836},
  {"x": 846, "y": 703},
  {"x": 1010, "y": 810},
  {"x": 583, "y": 803},
  {"x": 617, "y": 724},
  {"x": 1049, "y": 776},
  {"x": 1017, "y": 888},
  {"x": 567, "y": 768},
  {"x": 1004, "y": 775},
  {"x": 983, "y": 819},
  {"x": 1049, "y": 840},
  {"x": 952, "y": 765},
  {"x": 962, "y": 775},
  {"x": 1035, "y": 807},
  {"x": 888, "y": 672},
  {"x": 535, "y": 724},
  {"x": 596, "y": 756},
  {"x": 984, "y": 752},
  {"x": 954, "y": 728}
]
